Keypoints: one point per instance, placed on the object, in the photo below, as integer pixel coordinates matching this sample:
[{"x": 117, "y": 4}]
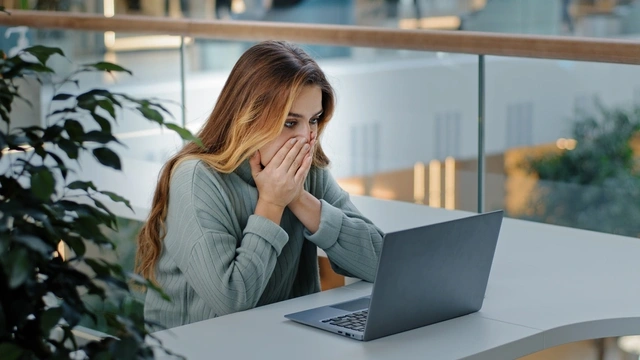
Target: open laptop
[{"x": 425, "y": 275}]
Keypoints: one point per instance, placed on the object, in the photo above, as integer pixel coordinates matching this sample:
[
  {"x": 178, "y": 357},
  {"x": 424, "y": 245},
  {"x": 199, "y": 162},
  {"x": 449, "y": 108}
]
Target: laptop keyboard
[{"x": 354, "y": 321}]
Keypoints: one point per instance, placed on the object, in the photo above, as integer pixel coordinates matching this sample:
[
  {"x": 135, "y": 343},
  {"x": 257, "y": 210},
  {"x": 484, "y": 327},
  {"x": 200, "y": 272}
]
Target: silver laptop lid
[{"x": 432, "y": 273}]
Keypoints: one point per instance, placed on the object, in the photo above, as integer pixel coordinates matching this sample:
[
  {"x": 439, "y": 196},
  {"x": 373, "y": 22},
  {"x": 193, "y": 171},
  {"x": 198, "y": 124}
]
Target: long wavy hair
[{"x": 249, "y": 113}]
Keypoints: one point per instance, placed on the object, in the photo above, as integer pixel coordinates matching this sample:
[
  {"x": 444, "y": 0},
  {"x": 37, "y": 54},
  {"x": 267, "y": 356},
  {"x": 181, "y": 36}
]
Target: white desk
[{"x": 548, "y": 286}]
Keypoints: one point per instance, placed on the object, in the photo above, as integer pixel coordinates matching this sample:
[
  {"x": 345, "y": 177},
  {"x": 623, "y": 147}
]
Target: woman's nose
[{"x": 305, "y": 132}]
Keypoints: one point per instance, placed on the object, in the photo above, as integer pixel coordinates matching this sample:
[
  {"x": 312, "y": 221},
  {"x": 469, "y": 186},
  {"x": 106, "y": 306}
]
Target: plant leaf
[
  {"x": 76, "y": 244},
  {"x": 61, "y": 165},
  {"x": 108, "y": 67},
  {"x": 184, "y": 133},
  {"x": 71, "y": 314},
  {"x": 43, "y": 53},
  {"x": 5, "y": 114},
  {"x": 61, "y": 97},
  {"x": 43, "y": 184},
  {"x": 125, "y": 348},
  {"x": 4, "y": 243},
  {"x": 39, "y": 68},
  {"x": 19, "y": 264},
  {"x": 34, "y": 243},
  {"x": 63, "y": 111},
  {"x": 117, "y": 198},
  {"x": 11, "y": 351},
  {"x": 107, "y": 104},
  {"x": 99, "y": 269},
  {"x": 100, "y": 205},
  {"x": 51, "y": 133},
  {"x": 107, "y": 157},
  {"x": 151, "y": 114},
  {"x": 87, "y": 103},
  {"x": 84, "y": 185},
  {"x": 113, "y": 281},
  {"x": 40, "y": 151},
  {"x": 139, "y": 280},
  {"x": 50, "y": 318},
  {"x": 102, "y": 137},
  {"x": 74, "y": 129},
  {"x": 69, "y": 147},
  {"x": 105, "y": 124}
]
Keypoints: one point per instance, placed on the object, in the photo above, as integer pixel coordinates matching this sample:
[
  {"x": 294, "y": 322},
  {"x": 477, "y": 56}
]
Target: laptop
[{"x": 425, "y": 275}]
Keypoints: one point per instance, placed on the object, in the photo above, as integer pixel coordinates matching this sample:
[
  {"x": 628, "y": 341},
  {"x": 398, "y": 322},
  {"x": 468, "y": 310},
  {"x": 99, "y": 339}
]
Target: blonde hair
[{"x": 250, "y": 112}]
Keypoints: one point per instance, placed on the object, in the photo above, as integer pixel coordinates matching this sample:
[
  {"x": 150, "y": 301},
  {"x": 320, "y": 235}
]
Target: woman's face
[{"x": 302, "y": 122}]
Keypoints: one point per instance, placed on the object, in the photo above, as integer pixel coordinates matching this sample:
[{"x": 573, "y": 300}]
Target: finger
[
  {"x": 303, "y": 170},
  {"x": 279, "y": 157},
  {"x": 292, "y": 154},
  {"x": 299, "y": 159},
  {"x": 254, "y": 161}
]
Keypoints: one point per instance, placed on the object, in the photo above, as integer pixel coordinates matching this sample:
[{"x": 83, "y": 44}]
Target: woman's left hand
[
  {"x": 305, "y": 206},
  {"x": 300, "y": 189}
]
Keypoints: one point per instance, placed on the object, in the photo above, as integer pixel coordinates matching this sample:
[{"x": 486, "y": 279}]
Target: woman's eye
[
  {"x": 314, "y": 121},
  {"x": 290, "y": 124}
]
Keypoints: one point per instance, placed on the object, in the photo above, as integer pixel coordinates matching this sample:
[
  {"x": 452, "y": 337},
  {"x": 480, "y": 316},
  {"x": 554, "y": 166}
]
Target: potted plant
[{"x": 42, "y": 208}]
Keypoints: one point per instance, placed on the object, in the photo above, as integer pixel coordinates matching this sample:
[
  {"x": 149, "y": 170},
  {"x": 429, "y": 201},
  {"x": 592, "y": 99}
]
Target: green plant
[
  {"x": 43, "y": 296},
  {"x": 595, "y": 186}
]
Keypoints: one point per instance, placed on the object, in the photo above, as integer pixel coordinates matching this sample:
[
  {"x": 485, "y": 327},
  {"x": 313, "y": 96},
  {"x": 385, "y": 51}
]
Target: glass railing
[
  {"x": 553, "y": 141},
  {"x": 469, "y": 132},
  {"x": 567, "y": 141}
]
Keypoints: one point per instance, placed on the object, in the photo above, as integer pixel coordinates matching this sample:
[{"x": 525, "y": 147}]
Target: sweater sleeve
[
  {"x": 226, "y": 268},
  {"x": 352, "y": 242}
]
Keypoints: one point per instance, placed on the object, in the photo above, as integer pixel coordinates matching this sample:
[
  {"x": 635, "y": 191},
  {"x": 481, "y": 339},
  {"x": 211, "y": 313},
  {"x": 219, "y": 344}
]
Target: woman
[{"x": 236, "y": 223}]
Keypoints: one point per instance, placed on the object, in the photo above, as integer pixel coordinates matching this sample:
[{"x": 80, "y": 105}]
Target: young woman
[{"x": 236, "y": 224}]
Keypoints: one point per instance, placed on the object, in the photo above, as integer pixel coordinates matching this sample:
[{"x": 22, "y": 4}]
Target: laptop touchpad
[{"x": 357, "y": 304}]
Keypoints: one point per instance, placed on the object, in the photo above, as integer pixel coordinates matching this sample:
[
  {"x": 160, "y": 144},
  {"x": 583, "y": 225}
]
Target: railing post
[
  {"x": 183, "y": 96},
  {"x": 481, "y": 124}
]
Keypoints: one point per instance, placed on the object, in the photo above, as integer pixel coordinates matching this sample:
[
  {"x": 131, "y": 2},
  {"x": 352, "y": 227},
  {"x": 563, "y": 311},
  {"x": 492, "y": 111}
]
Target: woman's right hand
[{"x": 279, "y": 181}]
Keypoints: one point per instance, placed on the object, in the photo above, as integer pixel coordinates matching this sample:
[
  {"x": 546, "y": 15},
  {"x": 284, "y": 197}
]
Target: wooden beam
[{"x": 527, "y": 46}]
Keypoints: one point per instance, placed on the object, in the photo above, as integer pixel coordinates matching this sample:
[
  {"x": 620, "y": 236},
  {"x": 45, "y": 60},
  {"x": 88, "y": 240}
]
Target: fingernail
[
  {"x": 306, "y": 146},
  {"x": 293, "y": 141}
]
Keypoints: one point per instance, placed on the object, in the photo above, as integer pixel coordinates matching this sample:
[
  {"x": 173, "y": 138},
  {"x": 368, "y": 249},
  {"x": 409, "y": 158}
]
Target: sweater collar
[{"x": 244, "y": 172}]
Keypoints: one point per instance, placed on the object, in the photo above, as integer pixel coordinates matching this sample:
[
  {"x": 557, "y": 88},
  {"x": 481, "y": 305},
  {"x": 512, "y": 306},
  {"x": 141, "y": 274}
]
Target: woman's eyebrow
[{"x": 296, "y": 115}]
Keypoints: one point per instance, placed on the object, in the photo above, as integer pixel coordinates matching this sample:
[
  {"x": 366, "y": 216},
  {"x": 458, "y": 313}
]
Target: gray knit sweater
[{"x": 219, "y": 258}]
